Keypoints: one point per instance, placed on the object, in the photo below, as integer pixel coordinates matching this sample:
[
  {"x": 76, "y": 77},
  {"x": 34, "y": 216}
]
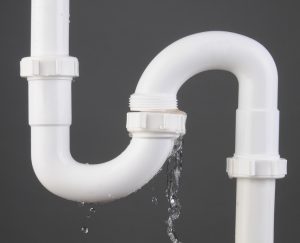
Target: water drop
[
  {"x": 155, "y": 200},
  {"x": 93, "y": 210},
  {"x": 81, "y": 204},
  {"x": 85, "y": 230}
]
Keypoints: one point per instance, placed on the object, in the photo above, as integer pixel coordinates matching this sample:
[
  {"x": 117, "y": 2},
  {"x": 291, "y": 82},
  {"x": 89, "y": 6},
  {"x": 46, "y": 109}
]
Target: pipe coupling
[
  {"x": 56, "y": 66},
  {"x": 256, "y": 168},
  {"x": 156, "y": 124}
]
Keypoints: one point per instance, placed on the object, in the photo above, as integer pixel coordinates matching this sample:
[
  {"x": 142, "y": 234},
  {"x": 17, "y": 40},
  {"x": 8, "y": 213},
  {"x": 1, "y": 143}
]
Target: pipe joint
[
  {"x": 256, "y": 168},
  {"x": 156, "y": 124},
  {"x": 49, "y": 66}
]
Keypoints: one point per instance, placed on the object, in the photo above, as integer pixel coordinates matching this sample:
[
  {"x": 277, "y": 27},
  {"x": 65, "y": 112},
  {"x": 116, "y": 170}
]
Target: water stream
[{"x": 174, "y": 169}]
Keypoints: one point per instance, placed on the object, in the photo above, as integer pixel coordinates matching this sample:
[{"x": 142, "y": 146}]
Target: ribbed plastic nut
[
  {"x": 255, "y": 168},
  {"x": 156, "y": 124},
  {"x": 49, "y": 66}
]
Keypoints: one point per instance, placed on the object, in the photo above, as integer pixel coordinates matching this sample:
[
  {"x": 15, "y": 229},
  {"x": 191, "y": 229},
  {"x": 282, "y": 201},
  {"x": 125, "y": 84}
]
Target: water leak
[{"x": 174, "y": 169}]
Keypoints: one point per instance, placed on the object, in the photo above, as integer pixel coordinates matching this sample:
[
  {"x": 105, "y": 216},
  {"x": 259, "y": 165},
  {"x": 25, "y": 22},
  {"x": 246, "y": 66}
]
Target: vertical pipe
[
  {"x": 50, "y": 101},
  {"x": 255, "y": 211},
  {"x": 50, "y": 28},
  {"x": 257, "y": 133}
]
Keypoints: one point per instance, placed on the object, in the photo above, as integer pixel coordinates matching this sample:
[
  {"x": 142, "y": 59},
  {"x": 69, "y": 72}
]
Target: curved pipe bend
[
  {"x": 257, "y": 115},
  {"x": 50, "y": 117},
  {"x": 247, "y": 59},
  {"x": 63, "y": 176}
]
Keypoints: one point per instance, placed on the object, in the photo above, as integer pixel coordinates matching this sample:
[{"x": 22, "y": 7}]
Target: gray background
[{"x": 114, "y": 41}]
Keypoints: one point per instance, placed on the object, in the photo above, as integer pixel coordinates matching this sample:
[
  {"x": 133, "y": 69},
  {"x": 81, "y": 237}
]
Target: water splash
[{"x": 174, "y": 169}]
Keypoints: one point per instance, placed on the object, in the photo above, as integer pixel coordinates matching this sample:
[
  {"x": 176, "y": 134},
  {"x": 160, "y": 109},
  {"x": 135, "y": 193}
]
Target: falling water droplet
[
  {"x": 155, "y": 200},
  {"x": 85, "y": 230},
  {"x": 93, "y": 210},
  {"x": 174, "y": 169},
  {"x": 81, "y": 204}
]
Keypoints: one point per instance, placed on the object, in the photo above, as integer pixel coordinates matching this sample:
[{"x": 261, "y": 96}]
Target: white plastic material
[{"x": 156, "y": 124}]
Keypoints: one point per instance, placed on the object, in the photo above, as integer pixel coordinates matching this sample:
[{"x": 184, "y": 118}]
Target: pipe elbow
[
  {"x": 247, "y": 59},
  {"x": 62, "y": 175}
]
